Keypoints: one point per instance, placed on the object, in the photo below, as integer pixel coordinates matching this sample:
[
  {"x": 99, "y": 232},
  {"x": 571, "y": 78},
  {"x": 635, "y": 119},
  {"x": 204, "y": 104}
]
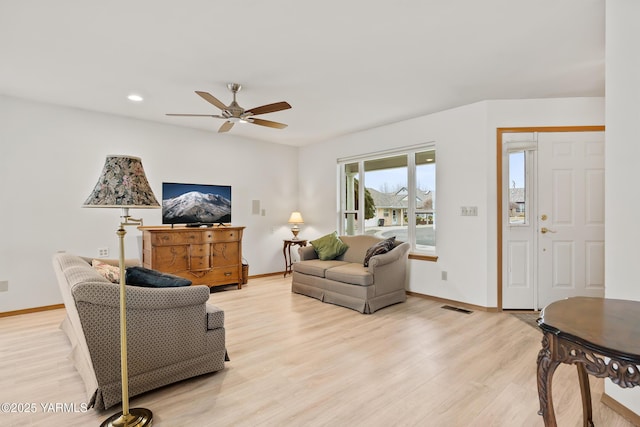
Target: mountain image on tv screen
[{"x": 193, "y": 203}]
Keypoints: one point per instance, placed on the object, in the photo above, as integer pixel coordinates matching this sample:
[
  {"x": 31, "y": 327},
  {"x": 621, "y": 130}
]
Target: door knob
[{"x": 545, "y": 230}]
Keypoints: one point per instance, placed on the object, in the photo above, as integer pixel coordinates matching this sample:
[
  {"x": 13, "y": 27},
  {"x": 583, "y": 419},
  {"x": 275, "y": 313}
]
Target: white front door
[
  {"x": 553, "y": 217},
  {"x": 570, "y": 215}
]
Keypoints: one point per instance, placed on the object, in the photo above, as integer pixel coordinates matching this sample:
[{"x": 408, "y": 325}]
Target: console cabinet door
[
  {"x": 170, "y": 259},
  {"x": 225, "y": 254}
]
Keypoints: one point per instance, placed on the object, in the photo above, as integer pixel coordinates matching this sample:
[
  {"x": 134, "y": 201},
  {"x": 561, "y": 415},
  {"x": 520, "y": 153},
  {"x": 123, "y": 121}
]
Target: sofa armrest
[
  {"x": 108, "y": 294},
  {"x": 390, "y": 270},
  {"x": 399, "y": 252},
  {"x": 307, "y": 253}
]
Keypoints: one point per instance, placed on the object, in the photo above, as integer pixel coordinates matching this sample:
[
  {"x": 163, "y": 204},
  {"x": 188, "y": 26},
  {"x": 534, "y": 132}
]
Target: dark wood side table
[
  {"x": 286, "y": 251},
  {"x": 600, "y": 336}
]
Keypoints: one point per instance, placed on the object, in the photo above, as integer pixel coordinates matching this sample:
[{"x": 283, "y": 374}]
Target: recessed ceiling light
[{"x": 135, "y": 98}]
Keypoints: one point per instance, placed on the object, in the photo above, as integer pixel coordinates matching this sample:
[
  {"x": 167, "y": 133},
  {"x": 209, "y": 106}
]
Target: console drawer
[
  {"x": 181, "y": 238},
  {"x": 222, "y": 275},
  {"x": 226, "y": 235}
]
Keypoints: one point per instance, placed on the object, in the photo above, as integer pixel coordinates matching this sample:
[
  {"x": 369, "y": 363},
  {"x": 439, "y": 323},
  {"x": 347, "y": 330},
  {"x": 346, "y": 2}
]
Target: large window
[{"x": 391, "y": 195}]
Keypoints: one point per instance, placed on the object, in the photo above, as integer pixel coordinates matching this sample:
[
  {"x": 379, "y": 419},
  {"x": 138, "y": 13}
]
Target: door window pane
[{"x": 517, "y": 188}]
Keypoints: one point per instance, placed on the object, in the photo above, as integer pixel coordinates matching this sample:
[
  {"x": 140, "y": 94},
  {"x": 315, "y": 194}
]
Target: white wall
[
  {"x": 465, "y": 139},
  {"x": 622, "y": 151},
  {"x": 51, "y": 157}
]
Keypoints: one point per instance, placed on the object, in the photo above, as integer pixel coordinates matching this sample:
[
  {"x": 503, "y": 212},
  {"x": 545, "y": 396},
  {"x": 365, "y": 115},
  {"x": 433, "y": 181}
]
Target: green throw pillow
[{"x": 329, "y": 246}]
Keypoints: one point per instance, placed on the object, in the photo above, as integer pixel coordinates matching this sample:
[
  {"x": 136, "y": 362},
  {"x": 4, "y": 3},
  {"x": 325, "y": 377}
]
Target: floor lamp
[{"x": 124, "y": 185}]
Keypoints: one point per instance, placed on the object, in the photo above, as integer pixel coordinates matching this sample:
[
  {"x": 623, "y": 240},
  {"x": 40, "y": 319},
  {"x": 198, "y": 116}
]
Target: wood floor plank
[{"x": 298, "y": 362}]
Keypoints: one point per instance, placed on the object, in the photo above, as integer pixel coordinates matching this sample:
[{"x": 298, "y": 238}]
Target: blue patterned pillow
[
  {"x": 382, "y": 247},
  {"x": 140, "y": 276}
]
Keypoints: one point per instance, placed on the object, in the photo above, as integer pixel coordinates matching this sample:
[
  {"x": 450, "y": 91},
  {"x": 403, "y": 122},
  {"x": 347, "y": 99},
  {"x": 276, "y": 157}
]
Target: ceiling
[{"x": 344, "y": 66}]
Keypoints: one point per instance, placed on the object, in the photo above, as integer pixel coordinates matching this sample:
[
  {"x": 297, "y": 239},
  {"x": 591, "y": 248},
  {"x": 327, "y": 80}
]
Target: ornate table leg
[
  {"x": 546, "y": 367},
  {"x": 284, "y": 253},
  {"x": 585, "y": 391}
]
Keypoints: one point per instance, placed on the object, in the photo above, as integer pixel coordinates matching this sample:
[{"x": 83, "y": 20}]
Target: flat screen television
[{"x": 195, "y": 204}]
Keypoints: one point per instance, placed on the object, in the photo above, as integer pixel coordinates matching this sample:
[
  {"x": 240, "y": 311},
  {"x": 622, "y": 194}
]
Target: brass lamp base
[{"x": 137, "y": 417}]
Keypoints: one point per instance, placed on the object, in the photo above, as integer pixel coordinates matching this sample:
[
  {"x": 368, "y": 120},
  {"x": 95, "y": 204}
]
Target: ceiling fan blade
[
  {"x": 269, "y": 108},
  {"x": 212, "y": 99},
  {"x": 195, "y": 115},
  {"x": 267, "y": 123},
  {"x": 226, "y": 126}
]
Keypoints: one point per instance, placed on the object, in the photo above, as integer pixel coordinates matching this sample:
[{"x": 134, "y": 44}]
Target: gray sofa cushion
[
  {"x": 358, "y": 246},
  {"x": 215, "y": 317},
  {"x": 352, "y": 273},
  {"x": 316, "y": 267}
]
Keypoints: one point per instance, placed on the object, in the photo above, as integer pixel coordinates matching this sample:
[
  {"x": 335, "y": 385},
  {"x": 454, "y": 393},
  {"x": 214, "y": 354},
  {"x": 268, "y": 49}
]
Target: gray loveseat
[
  {"x": 172, "y": 333},
  {"x": 347, "y": 282}
]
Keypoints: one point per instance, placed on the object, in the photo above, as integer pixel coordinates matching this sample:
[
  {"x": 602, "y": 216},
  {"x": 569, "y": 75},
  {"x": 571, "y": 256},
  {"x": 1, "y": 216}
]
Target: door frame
[{"x": 499, "y": 160}]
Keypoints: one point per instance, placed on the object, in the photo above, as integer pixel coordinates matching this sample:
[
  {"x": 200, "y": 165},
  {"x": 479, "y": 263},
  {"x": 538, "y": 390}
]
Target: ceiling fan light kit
[{"x": 234, "y": 113}]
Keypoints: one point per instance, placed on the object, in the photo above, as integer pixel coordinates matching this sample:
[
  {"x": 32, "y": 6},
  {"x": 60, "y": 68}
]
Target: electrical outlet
[
  {"x": 444, "y": 275},
  {"x": 103, "y": 252},
  {"x": 4, "y": 286}
]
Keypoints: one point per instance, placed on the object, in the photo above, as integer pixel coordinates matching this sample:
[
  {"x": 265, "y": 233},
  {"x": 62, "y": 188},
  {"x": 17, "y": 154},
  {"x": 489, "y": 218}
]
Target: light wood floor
[{"x": 298, "y": 362}]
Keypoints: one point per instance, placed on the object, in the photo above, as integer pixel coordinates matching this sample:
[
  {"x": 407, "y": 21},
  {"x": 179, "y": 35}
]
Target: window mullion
[
  {"x": 361, "y": 196},
  {"x": 411, "y": 202}
]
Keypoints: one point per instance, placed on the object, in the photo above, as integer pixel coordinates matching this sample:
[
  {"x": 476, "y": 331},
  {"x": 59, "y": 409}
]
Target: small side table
[
  {"x": 600, "y": 336},
  {"x": 286, "y": 251}
]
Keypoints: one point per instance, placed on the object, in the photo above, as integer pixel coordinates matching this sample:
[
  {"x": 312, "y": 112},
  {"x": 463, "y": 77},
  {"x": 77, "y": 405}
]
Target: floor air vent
[{"x": 458, "y": 309}]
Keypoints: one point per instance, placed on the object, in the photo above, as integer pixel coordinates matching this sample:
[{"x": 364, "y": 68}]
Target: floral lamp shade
[{"x": 122, "y": 184}]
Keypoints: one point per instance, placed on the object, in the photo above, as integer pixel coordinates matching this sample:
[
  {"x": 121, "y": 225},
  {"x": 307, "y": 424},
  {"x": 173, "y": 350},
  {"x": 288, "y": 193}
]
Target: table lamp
[
  {"x": 295, "y": 219},
  {"x": 123, "y": 184}
]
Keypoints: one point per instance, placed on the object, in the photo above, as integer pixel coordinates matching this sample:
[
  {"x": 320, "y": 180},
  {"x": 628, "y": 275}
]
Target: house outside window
[{"x": 391, "y": 195}]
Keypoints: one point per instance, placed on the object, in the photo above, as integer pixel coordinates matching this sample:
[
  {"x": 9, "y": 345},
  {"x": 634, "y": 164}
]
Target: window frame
[{"x": 410, "y": 153}]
